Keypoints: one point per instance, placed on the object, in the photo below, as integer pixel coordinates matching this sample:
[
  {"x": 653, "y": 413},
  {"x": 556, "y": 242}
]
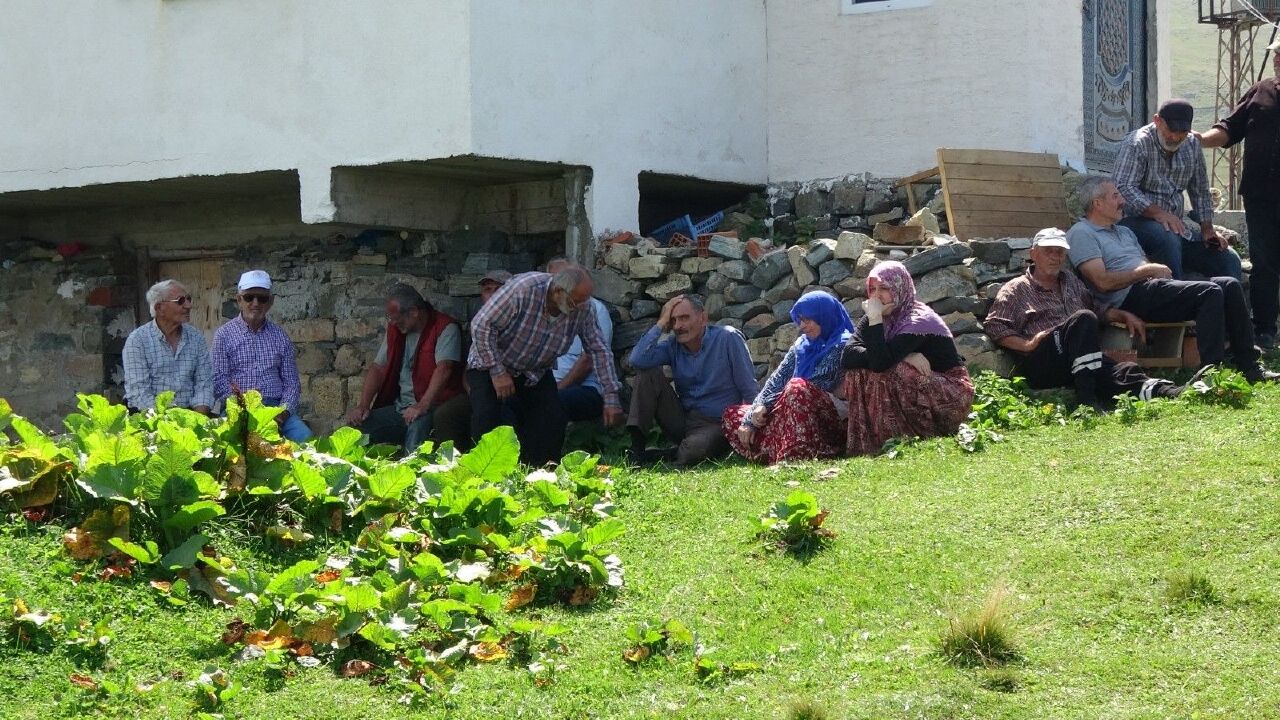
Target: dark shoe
[
  {"x": 1258, "y": 374},
  {"x": 650, "y": 456},
  {"x": 1266, "y": 341}
]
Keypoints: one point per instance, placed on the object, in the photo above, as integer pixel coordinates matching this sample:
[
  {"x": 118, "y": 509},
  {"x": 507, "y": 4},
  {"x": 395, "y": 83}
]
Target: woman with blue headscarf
[{"x": 797, "y": 415}]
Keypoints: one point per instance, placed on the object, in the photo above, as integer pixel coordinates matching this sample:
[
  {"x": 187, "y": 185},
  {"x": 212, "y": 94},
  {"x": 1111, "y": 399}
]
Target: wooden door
[
  {"x": 1115, "y": 76},
  {"x": 203, "y": 279}
]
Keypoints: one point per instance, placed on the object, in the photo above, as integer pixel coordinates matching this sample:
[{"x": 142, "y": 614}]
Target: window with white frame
[{"x": 855, "y": 7}]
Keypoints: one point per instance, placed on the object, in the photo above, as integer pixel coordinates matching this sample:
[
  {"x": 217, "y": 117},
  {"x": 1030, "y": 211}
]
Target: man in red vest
[{"x": 417, "y": 371}]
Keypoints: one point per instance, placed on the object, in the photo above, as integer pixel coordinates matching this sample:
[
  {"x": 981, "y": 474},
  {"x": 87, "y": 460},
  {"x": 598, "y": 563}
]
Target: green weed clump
[
  {"x": 982, "y": 637},
  {"x": 1221, "y": 386},
  {"x": 1001, "y": 680},
  {"x": 795, "y": 525},
  {"x": 807, "y": 710},
  {"x": 1191, "y": 589}
]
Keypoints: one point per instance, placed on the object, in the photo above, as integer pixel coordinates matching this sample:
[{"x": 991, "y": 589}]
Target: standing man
[
  {"x": 252, "y": 353},
  {"x": 1256, "y": 121},
  {"x": 1051, "y": 322},
  {"x": 1156, "y": 163},
  {"x": 1108, "y": 256},
  {"x": 711, "y": 369},
  {"x": 577, "y": 382},
  {"x": 515, "y": 340},
  {"x": 416, "y": 373},
  {"x": 168, "y": 353}
]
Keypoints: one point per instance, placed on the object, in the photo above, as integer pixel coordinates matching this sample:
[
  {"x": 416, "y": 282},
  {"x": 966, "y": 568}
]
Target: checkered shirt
[
  {"x": 513, "y": 333},
  {"x": 151, "y": 366},
  {"x": 1146, "y": 175},
  {"x": 262, "y": 360}
]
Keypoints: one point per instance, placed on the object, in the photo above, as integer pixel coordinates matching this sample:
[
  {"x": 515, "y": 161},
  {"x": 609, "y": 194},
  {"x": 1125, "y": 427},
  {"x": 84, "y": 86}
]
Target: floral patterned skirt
[
  {"x": 903, "y": 402},
  {"x": 803, "y": 425}
]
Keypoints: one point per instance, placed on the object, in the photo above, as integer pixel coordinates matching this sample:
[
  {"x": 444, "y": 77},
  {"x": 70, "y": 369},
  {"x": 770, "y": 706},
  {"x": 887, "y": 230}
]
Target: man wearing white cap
[
  {"x": 252, "y": 353},
  {"x": 1256, "y": 121},
  {"x": 1050, "y": 321}
]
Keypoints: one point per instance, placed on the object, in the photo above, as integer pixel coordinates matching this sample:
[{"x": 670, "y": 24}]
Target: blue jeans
[
  {"x": 1180, "y": 254},
  {"x": 581, "y": 403},
  {"x": 386, "y": 425},
  {"x": 293, "y": 428}
]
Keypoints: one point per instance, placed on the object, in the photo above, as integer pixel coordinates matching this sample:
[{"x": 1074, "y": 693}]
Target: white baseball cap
[
  {"x": 1274, "y": 47},
  {"x": 1051, "y": 237},
  {"x": 254, "y": 279}
]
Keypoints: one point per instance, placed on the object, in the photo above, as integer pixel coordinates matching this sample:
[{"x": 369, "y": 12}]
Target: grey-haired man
[{"x": 168, "y": 353}]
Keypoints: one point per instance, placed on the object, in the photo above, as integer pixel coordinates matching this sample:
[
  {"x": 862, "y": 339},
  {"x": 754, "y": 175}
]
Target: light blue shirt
[
  {"x": 152, "y": 366},
  {"x": 720, "y": 374},
  {"x": 565, "y": 362}
]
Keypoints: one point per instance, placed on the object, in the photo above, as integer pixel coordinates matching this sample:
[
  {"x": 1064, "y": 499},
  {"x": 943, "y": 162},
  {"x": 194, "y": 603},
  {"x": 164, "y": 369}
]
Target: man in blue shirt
[{"x": 711, "y": 369}]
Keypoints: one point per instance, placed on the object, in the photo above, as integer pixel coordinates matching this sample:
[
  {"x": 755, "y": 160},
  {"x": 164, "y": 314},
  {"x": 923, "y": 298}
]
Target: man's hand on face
[{"x": 664, "y": 319}]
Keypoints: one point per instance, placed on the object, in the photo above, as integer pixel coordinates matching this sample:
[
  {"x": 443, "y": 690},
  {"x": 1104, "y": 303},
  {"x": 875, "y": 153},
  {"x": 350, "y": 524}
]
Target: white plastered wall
[
  {"x": 99, "y": 91},
  {"x": 880, "y": 91}
]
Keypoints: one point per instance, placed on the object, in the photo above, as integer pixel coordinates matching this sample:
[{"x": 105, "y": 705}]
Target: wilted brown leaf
[
  {"x": 81, "y": 545},
  {"x": 237, "y": 474},
  {"x": 280, "y": 635},
  {"x": 235, "y": 631},
  {"x": 301, "y": 649},
  {"x": 83, "y": 681},
  {"x": 487, "y": 652},
  {"x": 163, "y": 586},
  {"x": 583, "y": 595},
  {"x": 603, "y": 469},
  {"x": 203, "y": 579},
  {"x": 263, "y": 449},
  {"x": 636, "y": 654},
  {"x": 521, "y": 596},
  {"x": 321, "y": 632},
  {"x": 819, "y": 518},
  {"x": 36, "y": 514},
  {"x": 335, "y": 519},
  {"x": 356, "y": 668},
  {"x": 328, "y": 576}
]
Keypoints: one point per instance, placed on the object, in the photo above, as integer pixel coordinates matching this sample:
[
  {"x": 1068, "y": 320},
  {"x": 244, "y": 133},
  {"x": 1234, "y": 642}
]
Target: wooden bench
[
  {"x": 996, "y": 193},
  {"x": 1168, "y": 345}
]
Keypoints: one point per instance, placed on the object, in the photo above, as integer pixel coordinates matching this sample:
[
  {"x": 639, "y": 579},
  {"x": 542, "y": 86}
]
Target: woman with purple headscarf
[
  {"x": 906, "y": 378},
  {"x": 796, "y": 416}
]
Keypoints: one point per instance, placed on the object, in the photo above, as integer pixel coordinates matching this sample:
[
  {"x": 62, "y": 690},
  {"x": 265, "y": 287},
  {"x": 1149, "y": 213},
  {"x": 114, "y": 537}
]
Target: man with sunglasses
[
  {"x": 168, "y": 353},
  {"x": 252, "y": 353}
]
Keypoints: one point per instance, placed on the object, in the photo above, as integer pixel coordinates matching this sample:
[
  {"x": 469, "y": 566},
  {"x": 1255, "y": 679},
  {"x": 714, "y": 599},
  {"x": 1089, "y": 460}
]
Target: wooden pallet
[
  {"x": 996, "y": 193},
  {"x": 1168, "y": 345}
]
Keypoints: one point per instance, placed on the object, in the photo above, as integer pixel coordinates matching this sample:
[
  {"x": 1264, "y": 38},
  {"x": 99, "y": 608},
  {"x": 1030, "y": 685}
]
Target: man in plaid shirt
[
  {"x": 252, "y": 353},
  {"x": 1155, "y": 165},
  {"x": 515, "y": 340},
  {"x": 168, "y": 353}
]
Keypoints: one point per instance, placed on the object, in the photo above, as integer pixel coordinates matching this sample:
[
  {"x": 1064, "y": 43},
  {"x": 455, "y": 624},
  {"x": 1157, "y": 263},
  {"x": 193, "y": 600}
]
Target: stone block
[
  {"x": 649, "y": 267},
  {"x": 899, "y": 234},
  {"x": 328, "y": 396},
  {"x": 984, "y": 273},
  {"x": 673, "y": 252},
  {"x": 771, "y": 268},
  {"x": 1018, "y": 243},
  {"x": 613, "y": 288},
  {"x": 760, "y": 349},
  {"x": 832, "y": 272},
  {"x": 46, "y": 342},
  {"x": 800, "y": 268},
  {"x": 618, "y": 255},
  {"x": 866, "y": 261},
  {"x": 465, "y": 284},
  {"x": 997, "y": 361},
  {"x": 369, "y": 259},
  {"x": 954, "y": 281},
  {"x": 714, "y": 306},
  {"x": 923, "y": 263},
  {"x": 926, "y": 219},
  {"x": 313, "y": 358},
  {"x": 961, "y": 323},
  {"x": 880, "y": 197},
  {"x": 813, "y": 201},
  {"x": 785, "y": 289},
  {"x": 782, "y": 308},
  {"x": 785, "y": 336},
  {"x": 312, "y": 330},
  {"x": 820, "y": 251},
  {"x": 726, "y": 247},
  {"x": 1019, "y": 259},
  {"x": 782, "y": 200},
  {"x": 761, "y": 326},
  {"x": 990, "y": 290},
  {"x": 736, "y": 269},
  {"x": 355, "y": 385},
  {"x": 994, "y": 252},
  {"x": 972, "y": 305},
  {"x": 746, "y": 311},
  {"x": 675, "y": 284},
  {"x": 853, "y": 222},
  {"x": 644, "y": 308},
  {"x": 850, "y": 245},
  {"x": 626, "y": 335},
  {"x": 896, "y": 213},
  {"x": 854, "y": 308},
  {"x": 734, "y": 323},
  {"x": 85, "y": 371},
  {"x": 717, "y": 282},
  {"x": 848, "y": 196},
  {"x": 349, "y": 360},
  {"x": 851, "y": 287},
  {"x": 355, "y": 329},
  {"x": 740, "y": 293}
]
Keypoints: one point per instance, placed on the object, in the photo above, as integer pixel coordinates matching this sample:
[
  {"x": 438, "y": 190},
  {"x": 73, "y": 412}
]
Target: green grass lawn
[{"x": 1083, "y": 526}]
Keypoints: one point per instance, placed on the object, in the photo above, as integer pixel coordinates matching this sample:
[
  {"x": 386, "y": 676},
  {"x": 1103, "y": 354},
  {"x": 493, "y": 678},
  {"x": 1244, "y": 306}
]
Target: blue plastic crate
[
  {"x": 679, "y": 225},
  {"x": 708, "y": 224}
]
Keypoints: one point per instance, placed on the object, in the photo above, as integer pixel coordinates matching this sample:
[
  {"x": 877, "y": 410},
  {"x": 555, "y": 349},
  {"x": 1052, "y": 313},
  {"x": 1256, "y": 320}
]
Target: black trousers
[
  {"x": 1071, "y": 356},
  {"x": 1217, "y": 305},
  {"x": 539, "y": 418},
  {"x": 1262, "y": 215}
]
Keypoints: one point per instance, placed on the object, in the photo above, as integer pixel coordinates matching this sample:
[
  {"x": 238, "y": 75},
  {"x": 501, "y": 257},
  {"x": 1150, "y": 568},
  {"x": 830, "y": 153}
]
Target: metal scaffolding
[{"x": 1239, "y": 66}]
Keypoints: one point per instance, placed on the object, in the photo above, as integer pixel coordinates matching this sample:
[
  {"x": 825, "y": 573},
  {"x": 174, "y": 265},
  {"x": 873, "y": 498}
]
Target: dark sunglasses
[
  {"x": 256, "y": 298},
  {"x": 184, "y": 300}
]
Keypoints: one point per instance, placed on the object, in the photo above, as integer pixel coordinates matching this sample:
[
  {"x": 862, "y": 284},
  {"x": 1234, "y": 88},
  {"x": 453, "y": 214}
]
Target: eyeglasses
[
  {"x": 184, "y": 300},
  {"x": 255, "y": 298}
]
